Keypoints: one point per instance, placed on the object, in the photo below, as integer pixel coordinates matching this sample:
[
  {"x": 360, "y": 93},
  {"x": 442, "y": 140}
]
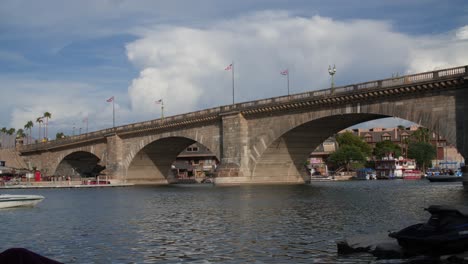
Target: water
[{"x": 248, "y": 224}]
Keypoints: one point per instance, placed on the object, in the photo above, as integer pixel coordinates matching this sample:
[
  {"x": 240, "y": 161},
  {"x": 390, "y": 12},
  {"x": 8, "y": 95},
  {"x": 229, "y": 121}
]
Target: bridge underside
[
  {"x": 152, "y": 165},
  {"x": 82, "y": 164},
  {"x": 284, "y": 160}
]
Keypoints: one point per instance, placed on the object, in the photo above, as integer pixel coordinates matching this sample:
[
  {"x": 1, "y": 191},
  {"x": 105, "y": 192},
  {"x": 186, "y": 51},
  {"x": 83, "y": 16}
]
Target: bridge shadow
[
  {"x": 153, "y": 164},
  {"x": 286, "y": 156}
]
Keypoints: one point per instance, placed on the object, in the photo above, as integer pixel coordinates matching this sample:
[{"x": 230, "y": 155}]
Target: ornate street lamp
[{"x": 332, "y": 73}]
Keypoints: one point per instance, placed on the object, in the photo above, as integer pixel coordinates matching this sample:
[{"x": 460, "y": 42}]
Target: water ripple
[{"x": 249, "y": 224}]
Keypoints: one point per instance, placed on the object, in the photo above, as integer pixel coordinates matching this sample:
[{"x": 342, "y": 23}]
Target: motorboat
[
  {"x": 436, "y": 176},
  {"x": 444, "y": 178},
  {"x": 15, "y": 200},
  {"x": 446, "y": 232}
]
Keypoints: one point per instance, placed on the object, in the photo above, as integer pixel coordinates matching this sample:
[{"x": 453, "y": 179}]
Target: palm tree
[
  {"x": 3, "y": 130},
  {"x": 403, "y": 141},
  {"x": 29, "y": 126},
  {"x": 39, "y": 120},
  {"x": 20, "y": 133},
  {"x": 10, "y": 132},
  {"x": 47, "y": 116},
  {"x": 421, "y": 135}
]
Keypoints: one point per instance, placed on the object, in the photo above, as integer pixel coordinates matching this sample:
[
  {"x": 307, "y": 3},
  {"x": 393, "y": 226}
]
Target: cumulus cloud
[{"x": 185, "y": 65}]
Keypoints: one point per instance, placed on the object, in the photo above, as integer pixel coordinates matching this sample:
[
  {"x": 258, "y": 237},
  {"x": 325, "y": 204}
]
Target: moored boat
[
  {"x": 446, "y": 232},
  {"x": 444, "y": 176},
  {"x": 11, "y": 200},
  {"x": 412, "y": 175}
]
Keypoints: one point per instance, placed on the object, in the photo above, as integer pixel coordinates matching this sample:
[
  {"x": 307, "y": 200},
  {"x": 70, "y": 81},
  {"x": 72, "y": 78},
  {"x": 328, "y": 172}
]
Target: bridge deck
[{"x": 354, "y": 92}]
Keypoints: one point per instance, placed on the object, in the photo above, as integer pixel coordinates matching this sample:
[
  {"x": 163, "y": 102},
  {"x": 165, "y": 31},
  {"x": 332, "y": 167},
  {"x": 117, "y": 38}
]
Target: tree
[
  {"x": 349, "y": 139},
  {"x": 59, "y": 135},
  {"x": 3, "y": 130},
  {"x": 47, "y": 116},
  {"x": 29, "y": 125},
  {"x": 347, "y": 155},
  {"x": 19, "y": 133},
  {"x": 352, "y": 150},
  {"x": 10, "y": 132},
  {"x": 384, "y": 148},
  {"x": 422, "y": 152},
  {"x": 39, "y": 121},
  {"x": 421, "y": 135}
]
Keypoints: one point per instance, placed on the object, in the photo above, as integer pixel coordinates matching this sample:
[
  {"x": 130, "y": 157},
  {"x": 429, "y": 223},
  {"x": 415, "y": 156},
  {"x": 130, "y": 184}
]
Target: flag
[
  {"x": 85, "y": 120},
  {"x": 228, "y": 68},
  {"x": 285, "y": 72},
  {"x": 159, "y": 101},
  {"x": 110, "y": 99}
]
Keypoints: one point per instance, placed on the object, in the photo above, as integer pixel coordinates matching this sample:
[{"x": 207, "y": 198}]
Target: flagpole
[
  {"x": 162, "y": 108},
  {"x": 288, "y": 82},
  {"x": 87, "y": 125},
  {"x": 233, "y": 82}
]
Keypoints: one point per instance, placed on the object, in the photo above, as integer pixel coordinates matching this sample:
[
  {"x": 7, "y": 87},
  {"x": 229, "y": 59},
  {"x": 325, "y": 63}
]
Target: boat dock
[{"x": 54, "y": 186}]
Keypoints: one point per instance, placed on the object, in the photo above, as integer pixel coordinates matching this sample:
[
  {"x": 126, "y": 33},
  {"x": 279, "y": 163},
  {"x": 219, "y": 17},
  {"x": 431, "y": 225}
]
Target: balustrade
[{"x": 408, "y": 79}]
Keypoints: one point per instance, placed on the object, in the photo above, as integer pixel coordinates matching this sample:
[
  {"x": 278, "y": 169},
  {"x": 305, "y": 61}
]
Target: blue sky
[{"x": 68, "y": 57}]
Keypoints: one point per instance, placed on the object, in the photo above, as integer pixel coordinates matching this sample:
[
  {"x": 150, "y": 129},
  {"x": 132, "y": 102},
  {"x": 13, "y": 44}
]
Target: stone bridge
[{"x": 264, "y": 141}]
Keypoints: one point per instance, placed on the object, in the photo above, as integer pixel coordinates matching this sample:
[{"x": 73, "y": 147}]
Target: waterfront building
[
  {"x": 447, "y": 155},
  {"x": 318, "y": 164},
  {"x": 196, "y": 162}
]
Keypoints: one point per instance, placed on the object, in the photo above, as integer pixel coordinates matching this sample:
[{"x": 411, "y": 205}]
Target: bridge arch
[
  {"x": 78, "y": 164},
  {"x": 285, "y": 141},
  {"x": 151, "y": 162}
]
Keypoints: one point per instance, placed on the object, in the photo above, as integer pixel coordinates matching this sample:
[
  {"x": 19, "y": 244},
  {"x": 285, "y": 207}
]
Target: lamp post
[
  {"x": 73, "y": 130},
  {"x": 332, "y": 74}
]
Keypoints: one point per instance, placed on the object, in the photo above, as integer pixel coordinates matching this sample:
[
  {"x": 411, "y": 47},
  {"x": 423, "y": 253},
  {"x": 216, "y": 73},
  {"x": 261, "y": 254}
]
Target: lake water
[{"x": 241, "y": 224}]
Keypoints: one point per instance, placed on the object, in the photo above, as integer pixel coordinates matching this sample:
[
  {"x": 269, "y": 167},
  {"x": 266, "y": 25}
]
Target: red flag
[
  {"x": 110, "y": 99},
  {"x": 285, "y": 72},
  {"x": 228, "y": 68},
  {"x": 159, "y": 101}
]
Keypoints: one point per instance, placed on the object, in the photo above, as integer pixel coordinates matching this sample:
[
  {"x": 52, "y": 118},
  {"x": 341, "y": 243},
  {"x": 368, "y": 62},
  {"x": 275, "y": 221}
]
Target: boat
[
  {"x": 444, "y": 176},
  {"x": 446, "y": 232},
  {"x": 412, "y": 175},
  {"x": 366, "y": 174},
  {"x": 393, "y": 168},
  {"x": 12, "y": 200}
]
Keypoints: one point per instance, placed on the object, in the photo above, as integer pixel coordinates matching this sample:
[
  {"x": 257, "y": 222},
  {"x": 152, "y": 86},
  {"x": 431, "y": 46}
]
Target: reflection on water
[{"x": 247, "y": 224}]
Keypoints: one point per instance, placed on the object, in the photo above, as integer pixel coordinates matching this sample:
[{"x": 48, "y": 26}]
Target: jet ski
[{"x": 446, "y": 232}]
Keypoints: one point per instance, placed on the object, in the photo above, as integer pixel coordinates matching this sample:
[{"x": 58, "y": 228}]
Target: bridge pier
[
  {"x": 114, "y": 158},
  {"x": 235, "y": 150}
]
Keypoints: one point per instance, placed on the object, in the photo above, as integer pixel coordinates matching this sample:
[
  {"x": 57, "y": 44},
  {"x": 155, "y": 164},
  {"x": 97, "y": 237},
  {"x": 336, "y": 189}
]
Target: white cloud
[
  {"x": 462, "y": 33},
  {"x": 185, "y": 66},
  {"x": 68, "y": 102}
]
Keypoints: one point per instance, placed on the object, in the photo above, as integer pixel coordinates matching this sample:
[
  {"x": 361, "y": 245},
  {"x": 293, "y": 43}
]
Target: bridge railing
[{"x": 384, "y": 83}]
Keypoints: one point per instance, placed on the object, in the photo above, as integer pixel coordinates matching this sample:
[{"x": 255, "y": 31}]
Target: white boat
[{"x": 14, "y": 200}]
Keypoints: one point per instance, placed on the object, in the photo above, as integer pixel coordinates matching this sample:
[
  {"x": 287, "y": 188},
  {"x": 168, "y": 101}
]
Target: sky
[{"x": 69, "y": 57}]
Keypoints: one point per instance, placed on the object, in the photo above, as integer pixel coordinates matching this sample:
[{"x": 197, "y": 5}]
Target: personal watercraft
[{"x": 446, "y": 232}]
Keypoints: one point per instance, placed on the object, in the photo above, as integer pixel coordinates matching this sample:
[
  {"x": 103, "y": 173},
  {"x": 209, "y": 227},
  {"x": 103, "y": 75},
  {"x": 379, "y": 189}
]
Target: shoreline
[{"x": 67, "y": 186}]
